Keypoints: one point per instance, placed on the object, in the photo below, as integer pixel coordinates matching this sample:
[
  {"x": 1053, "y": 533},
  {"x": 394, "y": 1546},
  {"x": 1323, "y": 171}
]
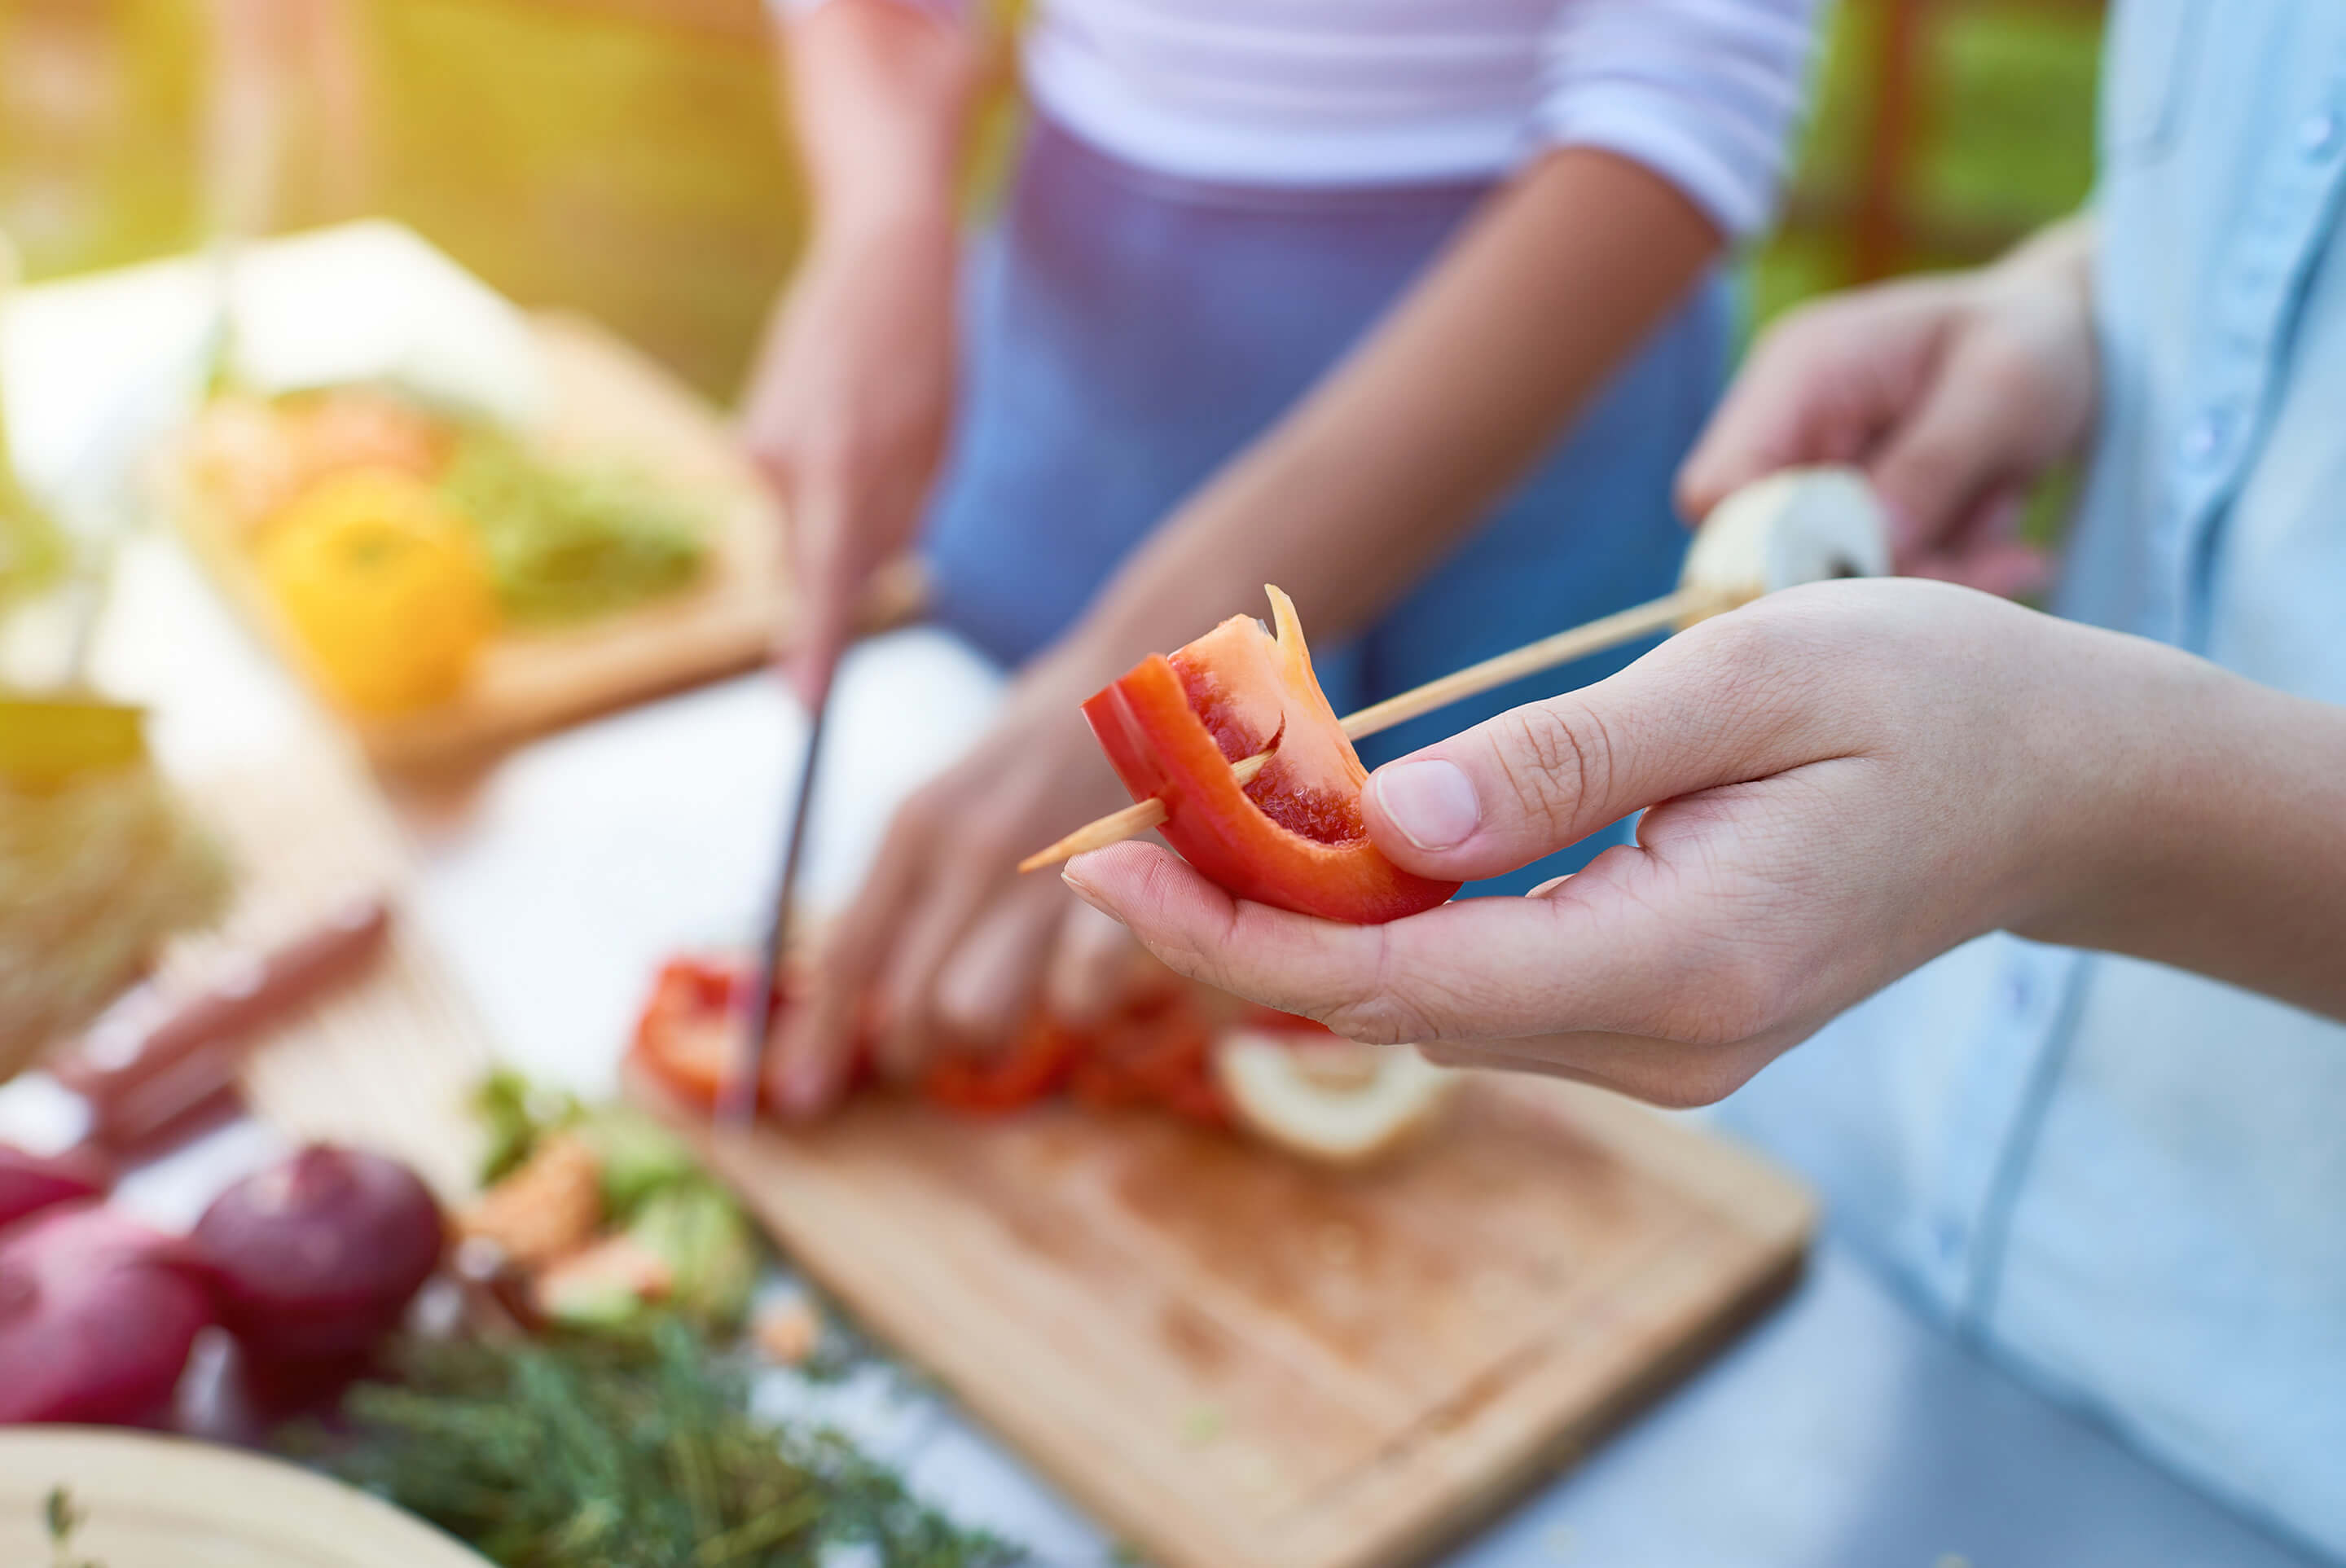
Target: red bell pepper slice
[
  {"x": 686, "y": 1036},
  {"x": 1154, "y": 1053},
  {"x": 1294, "y": 837},
  {"x": 1158, "y": 1053},
  {"x": 1035, "y": 1066}
]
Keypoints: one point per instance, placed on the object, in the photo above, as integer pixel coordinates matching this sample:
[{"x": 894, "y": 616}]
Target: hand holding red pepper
[{"x": 1839, "y": 782}]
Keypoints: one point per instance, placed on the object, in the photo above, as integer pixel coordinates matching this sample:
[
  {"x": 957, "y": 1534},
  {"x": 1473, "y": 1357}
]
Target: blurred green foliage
[
  {"x": 2006, "y": 117},
  {"x": 610, "y": 155}
]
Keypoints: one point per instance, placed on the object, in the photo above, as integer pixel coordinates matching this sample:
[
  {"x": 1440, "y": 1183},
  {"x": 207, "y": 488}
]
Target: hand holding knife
[{"x": 739, "y": 1106}]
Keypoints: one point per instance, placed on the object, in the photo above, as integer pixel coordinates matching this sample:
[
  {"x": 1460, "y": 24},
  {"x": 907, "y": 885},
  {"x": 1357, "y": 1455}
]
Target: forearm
[
  {"x": 2218, "y": 840},
  {"x": 879, "y": 103},
  {"x": 1403, "y": 445}
]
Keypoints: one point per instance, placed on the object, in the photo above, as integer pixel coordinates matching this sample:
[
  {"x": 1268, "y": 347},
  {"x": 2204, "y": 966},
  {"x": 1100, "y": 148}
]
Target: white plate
[{"x": 165, "y": 1502}]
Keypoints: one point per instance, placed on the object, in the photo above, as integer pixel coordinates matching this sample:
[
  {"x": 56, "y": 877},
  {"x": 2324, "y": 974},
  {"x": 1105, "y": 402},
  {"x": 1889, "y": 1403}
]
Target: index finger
[
  {"x": 1585, "y": 958},
  {"x": 815, "y": 1040}
]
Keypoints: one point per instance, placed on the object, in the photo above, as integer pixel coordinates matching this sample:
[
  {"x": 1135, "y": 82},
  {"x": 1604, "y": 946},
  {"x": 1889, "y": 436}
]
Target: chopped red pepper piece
[
  {"x": 688, "y": 1029},
  {"x": 1035, "y": 1066},
  {"x": 1294, "y": 837},
  {"x": 1154, "y": 1053}
]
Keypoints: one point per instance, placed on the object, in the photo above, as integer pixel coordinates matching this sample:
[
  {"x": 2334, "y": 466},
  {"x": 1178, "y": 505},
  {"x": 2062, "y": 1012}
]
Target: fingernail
[
  {"x": 1431, "y": 801},
  {"x": 1085, "y": 891}
]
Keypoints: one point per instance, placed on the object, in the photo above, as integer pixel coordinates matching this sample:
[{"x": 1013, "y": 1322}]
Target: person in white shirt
[{"x": 1409, "y": 306}]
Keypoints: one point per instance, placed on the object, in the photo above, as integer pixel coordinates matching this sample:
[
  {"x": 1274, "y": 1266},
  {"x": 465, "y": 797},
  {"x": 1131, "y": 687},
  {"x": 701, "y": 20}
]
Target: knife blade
[{"x": 739, "y": 1108}]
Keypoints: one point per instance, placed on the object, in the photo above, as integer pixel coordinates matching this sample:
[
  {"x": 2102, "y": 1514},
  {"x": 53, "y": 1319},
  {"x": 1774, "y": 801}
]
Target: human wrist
[
  {"x": 894, "y": 219},
  {"x": 2133, "y": 788}
]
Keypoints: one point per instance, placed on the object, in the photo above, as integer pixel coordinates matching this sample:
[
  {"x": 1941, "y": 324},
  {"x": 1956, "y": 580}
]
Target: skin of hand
[
  {"x": 849, "y": 402},
  {"x": 946, "y": 941},
  {"x": 1840, "y": 782},
  {"x": 1343, "y": 503},
  {"x": 1954, "y": 393}
]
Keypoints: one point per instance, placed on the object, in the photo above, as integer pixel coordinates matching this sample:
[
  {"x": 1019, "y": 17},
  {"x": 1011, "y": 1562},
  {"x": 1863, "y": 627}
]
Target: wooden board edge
[
  {"x": 1739, "y": 1185},
  {"x": 1509, "y": 1483},
  {"x": 1773, "y": 1234}
]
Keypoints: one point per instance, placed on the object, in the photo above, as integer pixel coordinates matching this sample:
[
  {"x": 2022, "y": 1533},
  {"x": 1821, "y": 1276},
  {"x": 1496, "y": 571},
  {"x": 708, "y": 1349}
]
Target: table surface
[{"x": 1844, "y": 1430}]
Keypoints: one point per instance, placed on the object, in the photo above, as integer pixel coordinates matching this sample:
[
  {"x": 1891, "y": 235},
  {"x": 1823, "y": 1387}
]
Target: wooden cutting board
[
  {"x": 1237, "y": 1360},
  {"x": 609, "y": 404}
]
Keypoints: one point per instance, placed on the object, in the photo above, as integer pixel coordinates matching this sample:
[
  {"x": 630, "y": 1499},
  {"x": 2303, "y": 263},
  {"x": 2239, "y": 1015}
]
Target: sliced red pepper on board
[
  {"x": 1159, "y": 1053},
  {"x": 1154, "y": 1053},
  {"x": 1172, "y": 725},
  {"x": 687, "y": 1033},
  {"x": 1033, "y": 1067}
]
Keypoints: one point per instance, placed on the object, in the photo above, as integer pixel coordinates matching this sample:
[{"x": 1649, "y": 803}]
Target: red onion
[
  {"x": 320, "y": 1256},
  {"x": 30, "y": 1183},
  {"x": 96, "y": 1316}
]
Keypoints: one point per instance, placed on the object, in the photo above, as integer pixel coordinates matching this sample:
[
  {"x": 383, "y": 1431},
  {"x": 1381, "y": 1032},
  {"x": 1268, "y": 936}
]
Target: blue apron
[{"x": 1128, "y": 332}]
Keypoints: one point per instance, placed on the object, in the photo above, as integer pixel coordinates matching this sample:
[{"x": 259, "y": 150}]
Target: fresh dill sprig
[{"x": 590, "y": 1452}]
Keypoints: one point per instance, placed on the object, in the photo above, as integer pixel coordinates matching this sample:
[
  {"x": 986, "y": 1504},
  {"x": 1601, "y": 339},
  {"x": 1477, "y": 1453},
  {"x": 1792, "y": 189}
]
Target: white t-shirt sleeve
[{"x": 1704, "y": 92}]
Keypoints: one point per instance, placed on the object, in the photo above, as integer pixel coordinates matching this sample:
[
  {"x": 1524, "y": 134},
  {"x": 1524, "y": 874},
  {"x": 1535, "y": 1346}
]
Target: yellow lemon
[{"x": 385, "y": 585}]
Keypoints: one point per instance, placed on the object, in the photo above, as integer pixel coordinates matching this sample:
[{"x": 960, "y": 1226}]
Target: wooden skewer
[{"x": 1686, "y": 604}]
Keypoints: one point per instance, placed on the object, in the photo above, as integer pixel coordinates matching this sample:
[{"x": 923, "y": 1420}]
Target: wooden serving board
[
  {"x": 609, "y": 403},
  {"x": 1240, "y": 1361}
]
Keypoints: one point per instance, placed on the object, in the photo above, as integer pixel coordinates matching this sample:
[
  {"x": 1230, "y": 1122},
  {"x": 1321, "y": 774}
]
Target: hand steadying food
[{"x": 1839, "y": 783}]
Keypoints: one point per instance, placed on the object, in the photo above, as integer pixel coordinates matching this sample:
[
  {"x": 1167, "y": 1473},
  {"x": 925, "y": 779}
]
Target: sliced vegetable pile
[
  {"x": 569, "y": 544},
  {"x": 1294, "y": 837},
  {"x": 605, "y": 1216},
  {"x": 1175, "y": 1049},
  {"x": 1158, "y": 1051},
  {"x": 370, "y": 514}
]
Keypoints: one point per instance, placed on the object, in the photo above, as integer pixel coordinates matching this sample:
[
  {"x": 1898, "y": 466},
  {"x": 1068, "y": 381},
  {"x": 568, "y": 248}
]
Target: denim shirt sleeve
[{"x": 2122, "y": 1179}]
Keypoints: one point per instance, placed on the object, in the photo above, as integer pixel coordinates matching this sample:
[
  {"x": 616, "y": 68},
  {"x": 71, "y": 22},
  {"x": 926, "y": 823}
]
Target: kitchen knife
[{"x": 739, "y": 1106}]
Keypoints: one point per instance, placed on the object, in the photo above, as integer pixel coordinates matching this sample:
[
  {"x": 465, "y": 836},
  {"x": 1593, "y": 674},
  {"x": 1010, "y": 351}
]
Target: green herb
[
  {"x": 591, "y": 1452},
  {"x": 63, "y": 1520},
  {"x": 571, "y": 543}
]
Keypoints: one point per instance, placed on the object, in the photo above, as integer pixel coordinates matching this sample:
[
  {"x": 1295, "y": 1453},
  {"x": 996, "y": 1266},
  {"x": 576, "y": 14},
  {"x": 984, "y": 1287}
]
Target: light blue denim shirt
[{"x": 2127, "y": 1181}]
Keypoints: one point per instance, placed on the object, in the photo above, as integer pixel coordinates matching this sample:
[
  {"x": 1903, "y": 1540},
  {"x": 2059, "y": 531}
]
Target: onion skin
[
  {"x": 97, "y": 1313},
  {"x": 31, "y": 1182},
  {"x": 318, "y": 1257}
]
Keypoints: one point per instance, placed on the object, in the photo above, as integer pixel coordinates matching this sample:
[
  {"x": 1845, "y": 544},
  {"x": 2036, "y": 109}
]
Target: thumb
[{"x": 1728, "y": 701}]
